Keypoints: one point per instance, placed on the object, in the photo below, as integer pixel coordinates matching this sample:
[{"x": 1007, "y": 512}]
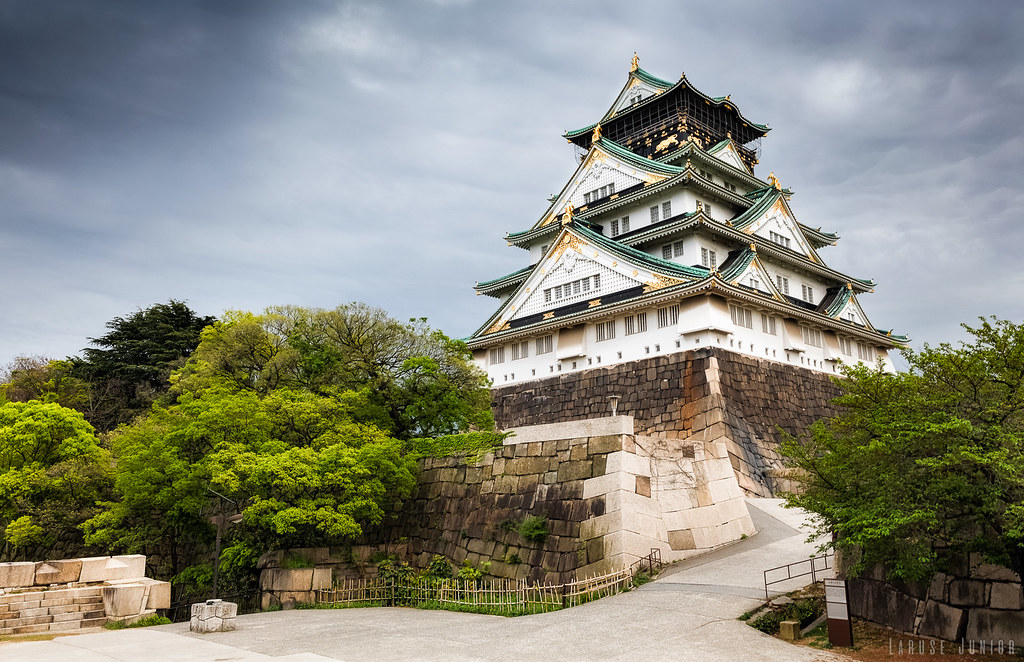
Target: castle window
[
  {"x": 615, "y": 228},
  {"x": 666, "y": 209},
  {"x": 520, "y": 350},
  {"x": 741, "y": 317},
  {"x": 572, "y": 289},
  {"x": 668, "y": 316},
  {"x": 544, "y": 344},
  {"x": 708, "y": 258},
  {"x": 783, "y": 284},
  {"x": 755, "y": 283},
  {"x": 497, "y": 355},
  {"x": 605, "y": 330},
  {"x": 811, "y": 336},
  {"x": 636, "y": 323},
  {"x": 845, "y": 346},
  {"x": 669, "y": 251},
  {"x": 807, "y": 293},
  {"x": 728, "y": 186},
  {"x": 865, "y": 352},
  {"x": 768, "y": 324},
  {"x": 654, "y": 214},
  {"x": 707, "y": 210},
  {"x": 625, "y": 224},
  {"x": 779, "y": 239}
]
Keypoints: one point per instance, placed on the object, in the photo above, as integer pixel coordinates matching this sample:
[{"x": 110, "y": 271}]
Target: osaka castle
[{"x": 665, "y": 239}]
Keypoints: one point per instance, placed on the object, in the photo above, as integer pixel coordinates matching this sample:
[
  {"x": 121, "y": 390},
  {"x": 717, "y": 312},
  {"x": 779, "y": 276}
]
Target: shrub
[{"x": 534, "y": 529}]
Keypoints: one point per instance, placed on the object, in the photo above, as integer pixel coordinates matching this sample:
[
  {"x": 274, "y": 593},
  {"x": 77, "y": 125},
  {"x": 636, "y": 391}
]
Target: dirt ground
[{"x": 873, "y": 643}]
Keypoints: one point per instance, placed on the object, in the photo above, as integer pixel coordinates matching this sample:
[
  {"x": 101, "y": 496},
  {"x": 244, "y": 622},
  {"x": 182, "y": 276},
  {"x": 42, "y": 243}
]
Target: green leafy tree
[
  {"x": 923, "y": 467},
  {"x": 130, "y": 365},
  {"x": 52, "y": 472},
  {"x": 46, "y": 380}
]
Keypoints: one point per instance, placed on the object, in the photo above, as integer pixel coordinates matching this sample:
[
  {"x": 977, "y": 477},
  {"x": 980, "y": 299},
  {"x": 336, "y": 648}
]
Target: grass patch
[
  {"x": 471, "y": 445},
  {"x": 141, "y": 623}
]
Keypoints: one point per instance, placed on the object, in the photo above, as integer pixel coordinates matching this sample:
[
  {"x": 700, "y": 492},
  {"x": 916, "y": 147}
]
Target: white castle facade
[{"x": 665, "y": 240}]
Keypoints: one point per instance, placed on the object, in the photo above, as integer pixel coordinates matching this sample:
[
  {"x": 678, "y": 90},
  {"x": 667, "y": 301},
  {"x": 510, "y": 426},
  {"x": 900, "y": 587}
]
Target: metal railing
[{"x": 809, "y": 567}]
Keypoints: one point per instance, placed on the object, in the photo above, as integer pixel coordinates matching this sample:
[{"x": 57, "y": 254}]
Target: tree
[
  {"x": 52, "y": 472},
  {"x": 422, "y": 381},
  {"x": 129, "y": 367},
  {"x": 47, "y": 380},
  {"x": 923, "y": 467}
]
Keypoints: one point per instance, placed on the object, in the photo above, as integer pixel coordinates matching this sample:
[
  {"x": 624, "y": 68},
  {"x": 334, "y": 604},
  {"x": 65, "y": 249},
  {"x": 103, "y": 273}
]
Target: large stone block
[
  {"x": 967, "y": 593},
  {"x": 942, "y": 621},
  {"x": 124, "y": 600},
  {"x": 13, "y": 575},
  {"x": 995, "y": 625},
  {"x": 105, "y": 568},
  {"x": 58, "y": 572},
  {"x": 1004, "y": 595}
]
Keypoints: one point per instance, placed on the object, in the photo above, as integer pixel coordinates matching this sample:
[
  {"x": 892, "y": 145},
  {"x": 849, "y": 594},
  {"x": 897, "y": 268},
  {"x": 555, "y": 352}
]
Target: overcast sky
[{"x": 241, "y": 154}]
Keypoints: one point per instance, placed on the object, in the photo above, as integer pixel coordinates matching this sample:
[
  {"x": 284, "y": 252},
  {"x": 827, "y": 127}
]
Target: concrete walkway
[{"x": 687, "y": 614}]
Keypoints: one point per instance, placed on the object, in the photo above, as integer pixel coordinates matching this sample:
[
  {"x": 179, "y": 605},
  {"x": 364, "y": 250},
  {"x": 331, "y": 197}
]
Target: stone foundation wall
[
  {"x": 703, "y": 395},
  {"x": 983, "y": 604},
  {"x": 608, "y": 496}
]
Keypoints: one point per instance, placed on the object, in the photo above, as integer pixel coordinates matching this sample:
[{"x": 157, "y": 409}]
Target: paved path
[{"x": 687, "y": 614}]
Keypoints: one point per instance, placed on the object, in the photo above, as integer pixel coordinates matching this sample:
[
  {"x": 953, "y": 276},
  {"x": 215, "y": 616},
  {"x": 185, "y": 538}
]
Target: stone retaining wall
[
  {"x": 703, "y": 395},
  {"x": 608, "y": 497},
  {"x": 983, "y": 604}
]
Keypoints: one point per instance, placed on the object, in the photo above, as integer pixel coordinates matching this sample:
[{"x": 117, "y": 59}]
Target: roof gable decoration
[
  {"x": 755, "y": 276},
  {"x": 575, "y": 270},
  {"x": 607, "y": 167},
  {"x": 725, "y": 152},
  {"x": 852, "y": 312},
  {"x": 778, "y": 225},
  {"x": 634, "y": 92}
]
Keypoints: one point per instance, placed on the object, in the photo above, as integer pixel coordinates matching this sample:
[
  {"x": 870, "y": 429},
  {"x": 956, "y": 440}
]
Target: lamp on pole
[{"x": 221, "y": 521}]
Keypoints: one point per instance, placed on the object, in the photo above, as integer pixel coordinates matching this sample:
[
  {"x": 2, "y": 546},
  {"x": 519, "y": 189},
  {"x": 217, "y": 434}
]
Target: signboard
[{"x": 837, "y": 609}]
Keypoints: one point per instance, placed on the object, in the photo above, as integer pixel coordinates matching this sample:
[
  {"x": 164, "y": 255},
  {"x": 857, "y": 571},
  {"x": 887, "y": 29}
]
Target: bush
[
  {"x": 768, "y": 623},
  {"x": 141, "y": 623},
  {"x": 534, "y": 529}
]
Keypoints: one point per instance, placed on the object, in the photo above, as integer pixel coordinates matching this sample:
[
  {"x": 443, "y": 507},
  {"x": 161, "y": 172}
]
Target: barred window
[
  {"x": 845, "y": 346},
  {"x": 636, "y": 323},
  {"x": 615, "y": 228},
  {"x": 808, "y": 293},
  {"x": 625, "y": 224},
  {"x": 741, "y": 317},
  {"x": 497, "y": 355},
  {"x": 544, "y": 344},
  {"x": 668, "y": 316},
  {"x": 811, "y": 336},
  {"x": 654, "y": 214},
  {"x": 666, "y": 209},
  {"x": 520, "y": 350},
  {"x": 605, "y": 330},
  {"x": 783, "y": 284},
  {"x": 768, "y": 324},
  {"x": 865, "y": 352}
]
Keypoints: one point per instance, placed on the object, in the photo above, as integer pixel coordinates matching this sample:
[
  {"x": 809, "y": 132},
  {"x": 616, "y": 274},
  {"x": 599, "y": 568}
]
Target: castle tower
[{"x": 664, "y": 256}]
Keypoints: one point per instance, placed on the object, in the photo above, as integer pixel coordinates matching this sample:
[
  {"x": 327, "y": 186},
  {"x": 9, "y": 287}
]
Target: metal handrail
[{"x": 789, "y": 570}]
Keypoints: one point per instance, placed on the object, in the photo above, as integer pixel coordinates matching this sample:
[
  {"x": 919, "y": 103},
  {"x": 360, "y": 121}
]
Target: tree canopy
[
  {"x": 923, "y": 467},
  {"x": 52, "y": 473}
]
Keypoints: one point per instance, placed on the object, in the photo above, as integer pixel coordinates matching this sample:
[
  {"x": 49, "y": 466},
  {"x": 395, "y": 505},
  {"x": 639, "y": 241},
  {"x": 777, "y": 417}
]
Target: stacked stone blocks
[
  {"x": 704, "y": 395},
  {"x": 69, "y": 594},
  {"x": 983, "y": 603}
]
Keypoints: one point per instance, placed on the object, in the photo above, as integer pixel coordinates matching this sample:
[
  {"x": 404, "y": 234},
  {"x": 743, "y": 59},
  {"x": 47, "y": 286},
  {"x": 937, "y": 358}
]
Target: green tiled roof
[
  {"x": 640, "y": 257},
  {"x": 738, "y": 265},
  {"x": 652, "y": 80},
  {"x": 639, "y": 161},
  {"x": 507, "y": 277}
]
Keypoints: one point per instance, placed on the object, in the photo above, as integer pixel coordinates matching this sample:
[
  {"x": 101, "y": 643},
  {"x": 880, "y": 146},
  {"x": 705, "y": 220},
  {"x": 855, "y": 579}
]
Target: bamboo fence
[{"x": 494, "y": 596}]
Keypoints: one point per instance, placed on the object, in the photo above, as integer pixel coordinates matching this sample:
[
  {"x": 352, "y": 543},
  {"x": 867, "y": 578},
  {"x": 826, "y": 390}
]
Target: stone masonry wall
[
  {"x": 983, "y": 603},
  {"x": 608, "y": 497},
  {"x": 707, "y": 394}
]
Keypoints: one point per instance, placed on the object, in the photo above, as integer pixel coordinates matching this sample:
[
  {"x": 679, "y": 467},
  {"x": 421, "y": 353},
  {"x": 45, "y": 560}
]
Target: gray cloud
[{"x": 244, "y": 154}]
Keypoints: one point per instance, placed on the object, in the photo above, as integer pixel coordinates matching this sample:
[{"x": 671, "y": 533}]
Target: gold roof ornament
[
  {"x": 567, "y": 217},
  {"x": 774, "y": 181},
  {"x": 597, "y": 133},
  {"x": 753, "y": 247},
  {"x": 634, "y": 64},
  {"x": 849, "y": 286}
]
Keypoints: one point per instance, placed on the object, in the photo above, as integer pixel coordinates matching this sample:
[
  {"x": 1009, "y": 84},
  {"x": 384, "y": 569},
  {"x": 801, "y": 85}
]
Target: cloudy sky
[{"x": 240, "y": 154}]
